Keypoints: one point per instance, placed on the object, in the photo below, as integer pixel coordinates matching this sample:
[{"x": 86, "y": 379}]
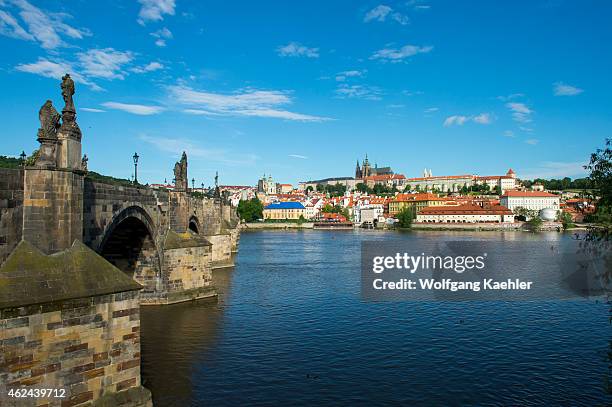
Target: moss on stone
[
  {"x": 176, "y": 240},
  {"x": 28, "y": 276}
]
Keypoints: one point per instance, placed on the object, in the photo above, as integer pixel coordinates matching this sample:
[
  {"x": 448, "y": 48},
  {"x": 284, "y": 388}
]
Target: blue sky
[{"x": 302, "y": 89}]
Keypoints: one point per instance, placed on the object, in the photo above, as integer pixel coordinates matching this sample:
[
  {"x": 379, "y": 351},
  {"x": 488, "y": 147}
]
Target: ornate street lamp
[
  {"x": 135, "y": 157},
  {"x": 23, "y": 156},
  {"x": 193, "y": 184}
]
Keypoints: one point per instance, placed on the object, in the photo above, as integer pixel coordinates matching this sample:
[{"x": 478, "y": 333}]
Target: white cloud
[
  {"x": 358, "y": 91},
  {"x": 150, "y": 67},
  {"x": 194, "y": 149},
  {"x": 555, "y": 169},
  {"x": 141, "y": 110},
  {"x": 295, "y": 49},
  {"x": 301, "y": 157},
  {"x": 10, "y": 27},
  {"x": 562, "y": 89},
  {"x": 246, "y": 102},
  {"x": 396, "y": 106},
  {"x": 45, "y": 28},
  {"x": 154, "y": 10},
  {"x": 483, "y": 118},
  {"x": 431, "y": 110},
  {"x": 398, "y": 55},
  {"x": 162, "y": 35},
  {"x": 55, "y": 70},
  {"x": 532, "y": 141},
  {"x": 381, "y": 12},
  {"x": 105, "y": 63},
  {"x": 520, "y": 112},
  {"x": 92, "y": 110},
  {"x": 510, "y": 97},
  {"x": 455, "y": 120},
  {"x": 460, "y": 120},
  {"x": 526, "y": 129},
  {"x": 344, "y": 75},
  {"x": 509, "y": 133},
  {"x": 378, "y": 13}
]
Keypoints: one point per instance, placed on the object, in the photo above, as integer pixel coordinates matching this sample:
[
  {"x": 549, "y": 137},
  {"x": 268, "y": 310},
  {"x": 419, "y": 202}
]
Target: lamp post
[
  {"x": 23, "y": 158},
  {"x": 193, "y": 184},
  {"x": 135, "y": 157},
  {"x": 202, "y": 185}
]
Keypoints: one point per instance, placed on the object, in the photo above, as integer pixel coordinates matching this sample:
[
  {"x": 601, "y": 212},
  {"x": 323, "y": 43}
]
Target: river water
[{"x": 291, "y": 328}]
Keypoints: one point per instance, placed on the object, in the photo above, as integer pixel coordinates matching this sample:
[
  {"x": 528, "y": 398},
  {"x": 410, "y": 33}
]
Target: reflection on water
[{"x": 290, "y": 328}]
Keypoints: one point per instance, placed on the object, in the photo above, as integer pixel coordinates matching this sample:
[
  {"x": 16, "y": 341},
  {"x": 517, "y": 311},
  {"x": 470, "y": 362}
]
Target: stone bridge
[
  {"x": 77, "y": 259},
  {"x": 168, "y": 240}
]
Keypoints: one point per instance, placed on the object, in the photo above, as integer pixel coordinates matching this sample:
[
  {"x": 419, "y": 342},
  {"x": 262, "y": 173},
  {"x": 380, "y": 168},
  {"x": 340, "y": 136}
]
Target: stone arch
[
  {"x": 194, "y": 224},
  {"x": 129, "y": 243}
]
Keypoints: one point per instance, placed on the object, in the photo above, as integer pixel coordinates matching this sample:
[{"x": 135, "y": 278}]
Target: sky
[{"x": 302, "y": 89}]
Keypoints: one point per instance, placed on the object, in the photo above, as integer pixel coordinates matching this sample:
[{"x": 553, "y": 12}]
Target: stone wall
[
  {"x": 68, "y": 321},
  {"x": 52, "y": 208},
  {"x": 221, "y": 250},
  {"x": 87, "y": 347},
  {"x": 11, "y": 210}
]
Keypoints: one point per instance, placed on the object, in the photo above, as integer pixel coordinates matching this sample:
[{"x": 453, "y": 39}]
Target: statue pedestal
[{"x": 69, "y": 135}]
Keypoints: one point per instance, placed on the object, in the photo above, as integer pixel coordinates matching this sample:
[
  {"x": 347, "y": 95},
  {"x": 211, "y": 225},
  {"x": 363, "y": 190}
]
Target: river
[{"x": 291, "y": 328}]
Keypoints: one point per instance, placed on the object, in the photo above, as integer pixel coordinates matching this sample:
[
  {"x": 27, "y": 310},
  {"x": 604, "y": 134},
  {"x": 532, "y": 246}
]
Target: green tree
[
  {"x": 301, "y": 220},
  {"x": 404, "y": 218},
  {"x": 362, "y": 187},
  {"x": 535, "y": 223},
  {"x": 565, "y": 219},
  {"x": 600, "y": 168},
  {"x": 497, "y": 190},
  {"x": 309, "y": 189},
  {"x": 250, "y": 210}
]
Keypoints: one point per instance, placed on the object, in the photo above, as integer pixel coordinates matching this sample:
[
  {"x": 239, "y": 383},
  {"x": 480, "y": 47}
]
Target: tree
[
  {"x": 301, "y": 220},
  {"x": 497, "y": 190},
  {"x": 250, "y": 210},
  {"x": 361, "y": 187},
  {"x": 309, "y": 189},
  {"x": 404, "y": 218},
  {"x": 535, "y": 223},
  {"x": 600, "y": 168},
  {"x": 565, "y": 219}
]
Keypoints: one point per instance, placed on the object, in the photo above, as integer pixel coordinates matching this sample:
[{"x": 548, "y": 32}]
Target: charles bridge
[{"x": 77, "y": 259}]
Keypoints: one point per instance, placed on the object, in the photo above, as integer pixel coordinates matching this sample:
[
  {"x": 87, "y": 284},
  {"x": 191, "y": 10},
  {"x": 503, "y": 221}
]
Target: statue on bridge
[
  {"x": 47, "y": 135},
  {"x": 180, "y": 174},
  {"x": 67, "y": 92},
  {"x": 70, "y": 128},
  {"x": 49, "y": 121}
]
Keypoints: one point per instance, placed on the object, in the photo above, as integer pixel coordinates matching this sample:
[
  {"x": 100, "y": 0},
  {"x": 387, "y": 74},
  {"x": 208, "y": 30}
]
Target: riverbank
[
  {"x": 484, "y": 227},
  {"x": 276, "y": 225}
]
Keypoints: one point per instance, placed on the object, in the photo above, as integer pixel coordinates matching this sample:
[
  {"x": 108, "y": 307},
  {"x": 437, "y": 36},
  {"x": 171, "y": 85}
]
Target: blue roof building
[{"x": 285, "y": 205}]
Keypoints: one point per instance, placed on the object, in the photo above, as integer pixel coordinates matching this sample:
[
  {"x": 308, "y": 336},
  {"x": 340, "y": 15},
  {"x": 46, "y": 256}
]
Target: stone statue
[
  {"x": 84, "y": 163},
  {"x": 49, "y": 121},
  {"x": 180, "y": 173},
  {"x": 47, "y": 136},
  {"x": 70, "y": 128},
  {"x": 216, "y": 178},
  {"x": 67, "y": 92}
]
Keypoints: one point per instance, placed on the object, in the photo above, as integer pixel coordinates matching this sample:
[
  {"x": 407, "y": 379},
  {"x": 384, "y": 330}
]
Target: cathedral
[{"x": 366, "y": 170}]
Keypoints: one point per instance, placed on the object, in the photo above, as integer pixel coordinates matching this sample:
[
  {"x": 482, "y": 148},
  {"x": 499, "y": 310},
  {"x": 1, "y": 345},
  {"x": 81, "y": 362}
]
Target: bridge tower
[{"x": 53, "y": 186}]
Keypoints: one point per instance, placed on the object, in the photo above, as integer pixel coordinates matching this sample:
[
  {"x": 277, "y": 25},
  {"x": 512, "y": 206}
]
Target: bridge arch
[
  {"x": 194, "y": 224},
  {"x": 129, "y": 242}
]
